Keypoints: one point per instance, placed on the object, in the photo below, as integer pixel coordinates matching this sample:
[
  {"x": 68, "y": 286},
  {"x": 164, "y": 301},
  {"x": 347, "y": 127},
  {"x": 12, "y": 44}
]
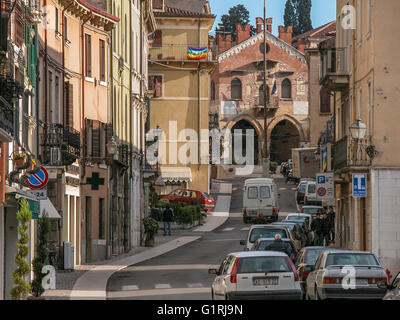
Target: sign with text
[
  {"x": 325, "y": 186},
  {"x": 359, "y": 185}
]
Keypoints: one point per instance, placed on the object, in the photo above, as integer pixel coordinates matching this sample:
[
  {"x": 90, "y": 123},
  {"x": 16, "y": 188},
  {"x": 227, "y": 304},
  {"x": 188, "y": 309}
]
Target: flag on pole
[
  {"x": 197, "y": 53},
  {"x": 274, "y": 88}
]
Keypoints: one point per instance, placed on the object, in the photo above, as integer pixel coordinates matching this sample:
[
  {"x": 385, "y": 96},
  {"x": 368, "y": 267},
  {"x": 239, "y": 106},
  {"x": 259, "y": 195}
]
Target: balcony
[
  {"x": 348, "y": 153},
  {"x": 61, "y": 145},
  {"x": 175, "y": 52},
  {"x": 335, "y": 68},
  {"x": 6, "y": 121},
  {"x": 33, "y": 15},
  {"x": 123, "y": 154},
  {"x": 273, "y": 105}
]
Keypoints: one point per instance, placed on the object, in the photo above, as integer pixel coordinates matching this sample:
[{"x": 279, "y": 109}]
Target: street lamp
[
  {"x": 358, "y": 130},
  {"x": 112, "y": 146}
]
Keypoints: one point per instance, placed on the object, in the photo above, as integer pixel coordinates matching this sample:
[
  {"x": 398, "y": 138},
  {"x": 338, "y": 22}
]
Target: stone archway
[{"x": 284, "y": 137}]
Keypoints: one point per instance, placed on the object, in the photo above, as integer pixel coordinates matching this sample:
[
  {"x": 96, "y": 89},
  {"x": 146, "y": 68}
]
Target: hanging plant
[{"x": 19, "y": 159}]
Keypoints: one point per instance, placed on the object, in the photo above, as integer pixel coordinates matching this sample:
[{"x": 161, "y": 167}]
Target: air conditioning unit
[
  {"x": 55, "y": 157},
  {"x": 69, "y": 251}
]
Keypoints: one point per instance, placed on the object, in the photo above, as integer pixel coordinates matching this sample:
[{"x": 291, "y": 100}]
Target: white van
[{"x": 260, "y": 196}]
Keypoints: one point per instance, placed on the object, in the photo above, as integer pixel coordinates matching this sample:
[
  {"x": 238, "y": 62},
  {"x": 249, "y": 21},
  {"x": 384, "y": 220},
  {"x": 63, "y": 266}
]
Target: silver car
[{"x": 345, "y": 274}]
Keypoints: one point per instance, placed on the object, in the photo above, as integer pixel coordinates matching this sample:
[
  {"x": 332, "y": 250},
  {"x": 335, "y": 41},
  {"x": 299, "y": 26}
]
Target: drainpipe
[
  {"x": 46, "y": 66},
  {"x": 199, "y": 103},
  {"x": 63, "y": 57}
]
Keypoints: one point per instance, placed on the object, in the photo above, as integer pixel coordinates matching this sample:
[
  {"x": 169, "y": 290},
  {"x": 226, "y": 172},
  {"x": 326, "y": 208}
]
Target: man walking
[
  {"x": 331, "y": 216},
  {"x": 316, "y": 227},
  {"x": 168, "y": 217},
  {"x": 278, "y": 245},
  {"x": 326, "y": 229}
]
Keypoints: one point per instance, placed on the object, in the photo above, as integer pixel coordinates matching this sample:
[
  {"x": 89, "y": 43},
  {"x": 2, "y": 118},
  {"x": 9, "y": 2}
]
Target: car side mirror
[
  {"x": 213, "y": 271},
  {"x": 383, "y": 285},
  {"x": 243, "y": 242}
]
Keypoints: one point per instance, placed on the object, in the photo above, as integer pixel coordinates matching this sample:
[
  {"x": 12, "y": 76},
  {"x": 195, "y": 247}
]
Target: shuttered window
[
  {"x": 325, "y": 101},
  {"x": 157, "y": 42},
  {"x": 102, "y": 60},
  {"x": 88, "y": 55},
  {"x": 69, "y": 104},
  {"x": 95, "y": 138},
  {"x": 18, "y": 24}
]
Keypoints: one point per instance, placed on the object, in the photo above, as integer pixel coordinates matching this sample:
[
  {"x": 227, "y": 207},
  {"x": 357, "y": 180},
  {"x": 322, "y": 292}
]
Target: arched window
[
  {"x": 261, "y": 95},
  {"x": 236, "y": 89},
  {"x": 286, "y": 89},
  {"x": 212, "y": 90}
]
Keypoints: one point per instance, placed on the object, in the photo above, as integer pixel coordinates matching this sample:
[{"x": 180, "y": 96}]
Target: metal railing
[
  {"x": 335, "y": 61},
  {"x": 350, "y": 153},
  {"x": 6, "y": 117},
  {"x": 177, "y": 52}
]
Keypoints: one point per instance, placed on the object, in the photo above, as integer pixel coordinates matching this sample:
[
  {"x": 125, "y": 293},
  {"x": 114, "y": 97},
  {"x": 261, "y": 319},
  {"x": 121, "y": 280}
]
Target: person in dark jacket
[
  {"x": 278, "y": 245},
  {"x": 326, "y": 229},
  {"x": 331, "y": 216},
  {"x": 168, "y": 217},
  {"x": 316, "y": 227}
]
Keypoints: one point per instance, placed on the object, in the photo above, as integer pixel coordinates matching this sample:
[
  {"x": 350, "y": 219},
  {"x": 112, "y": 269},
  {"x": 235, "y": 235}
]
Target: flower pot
[
  {"x": 36, "y": 298},
  {"x": 19, "y": 162}
]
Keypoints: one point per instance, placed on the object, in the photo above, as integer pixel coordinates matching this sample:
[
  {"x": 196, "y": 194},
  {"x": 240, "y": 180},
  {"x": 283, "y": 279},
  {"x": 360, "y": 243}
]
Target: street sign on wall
[
  {"x": 325, "y": 187},
  {"x": 359, "y": 185}
]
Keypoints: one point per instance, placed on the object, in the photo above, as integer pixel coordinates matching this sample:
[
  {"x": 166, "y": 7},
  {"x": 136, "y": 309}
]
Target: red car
[{"x": 186, "y": 197}]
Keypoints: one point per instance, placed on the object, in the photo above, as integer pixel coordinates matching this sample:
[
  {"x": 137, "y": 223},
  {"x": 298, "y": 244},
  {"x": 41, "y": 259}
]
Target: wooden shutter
[
  {"x": 88, "y": 56},
  {"x": 69, "y": 104},
  {"x": 325, "y": 101},
  {"x": 18, "y": 26},
  {"x": 102, "y": 60},
  {"x": 95, "y": 138},
  {"x": 109, "y": 134},
  {"x": 157, "y": 42}
]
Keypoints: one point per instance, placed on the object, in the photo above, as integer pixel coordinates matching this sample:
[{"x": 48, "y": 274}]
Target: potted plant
[
  {"x": 42, "y": 257},
  {"x": 21, "y": 287},
  {"x": 150, "y": 229},
  {"x": 159, "y": 56},
  {"x": 272, "y": 166},
  {"x": 19, "y": 159}
]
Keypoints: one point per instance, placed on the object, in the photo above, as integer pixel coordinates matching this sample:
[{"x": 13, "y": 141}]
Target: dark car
[
  {"x": 305, "y": 261},
  {"x": 262, "y": 243},
  {"x": 393, "y": 290},
  {"x": 301, "y": 191}
]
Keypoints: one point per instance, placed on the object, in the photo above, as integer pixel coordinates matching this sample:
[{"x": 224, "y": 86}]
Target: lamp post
[{"x": 358, "y": 130}]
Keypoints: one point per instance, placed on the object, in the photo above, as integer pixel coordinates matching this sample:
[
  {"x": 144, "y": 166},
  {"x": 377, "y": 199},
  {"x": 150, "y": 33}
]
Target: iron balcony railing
[
  {"x": 350, "y": 153},
  {"x": 123, "y": 154},
  {"x": 179, "y": 52},
  {"x": 7, "y": 117},
  {"x": 59, "y": 139},
  {"x": 335, "y": 61}
]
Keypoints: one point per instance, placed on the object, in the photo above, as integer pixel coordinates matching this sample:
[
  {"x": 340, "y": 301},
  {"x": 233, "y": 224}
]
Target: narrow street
[{"x": 182, "y": 274}]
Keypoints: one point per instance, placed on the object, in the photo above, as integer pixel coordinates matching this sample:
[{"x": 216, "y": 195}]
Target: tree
[
  {"x": 42, "y": 254},
  {"x": 298, "y": 15},
  {"x": 21, "y": 288},
  {"x": 236, "y": 15}
]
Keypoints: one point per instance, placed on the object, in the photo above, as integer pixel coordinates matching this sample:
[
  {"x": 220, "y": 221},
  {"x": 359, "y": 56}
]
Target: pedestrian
[
  {"x": 331, "y": 216},
  {"x": 316, "y": 227},
  {"x": 168, "y": 217},
  {"x": 326, "y": 229},
  {"x": 279, "y": 245}
]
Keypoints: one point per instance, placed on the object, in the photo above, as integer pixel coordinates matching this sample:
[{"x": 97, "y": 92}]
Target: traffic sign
[
  {"x": 325, "y": 186},
  {"x": 39, "y": 179},
  {"x": 359, "y": 185}
]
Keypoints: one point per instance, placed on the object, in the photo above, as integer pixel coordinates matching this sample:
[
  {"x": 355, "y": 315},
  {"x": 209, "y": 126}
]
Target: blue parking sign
[{"x": 359, "y": 185}]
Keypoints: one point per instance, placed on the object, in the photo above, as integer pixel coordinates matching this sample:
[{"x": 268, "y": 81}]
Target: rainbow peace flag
[{"x": 197, "y": 53}]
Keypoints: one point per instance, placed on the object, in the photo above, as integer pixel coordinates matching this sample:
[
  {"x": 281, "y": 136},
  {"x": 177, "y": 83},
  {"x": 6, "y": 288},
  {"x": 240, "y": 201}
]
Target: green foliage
[
  {"x": 298, "y": 15},
  {"x": 161, "y": 203},
  {"x": 187, "y": 215},
  {"x": 236, "y": 15},
  {"x": 21, "y": 288},
  {"x": 42, "y": 257},
  {"x": 273, "y": 165},
  {"x": 150, "y": 227}
]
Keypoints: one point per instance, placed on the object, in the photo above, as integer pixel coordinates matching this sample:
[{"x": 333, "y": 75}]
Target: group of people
[{"x": 324, "y": 228}]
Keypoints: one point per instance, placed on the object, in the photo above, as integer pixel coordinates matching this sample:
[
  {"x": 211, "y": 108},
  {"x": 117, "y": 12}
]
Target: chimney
[
  {"x": 224, "y": 43},
  {"x": 286, "y": 34},
  {"x": 301, "y": 46},
  {"x": 269, "y": 25},
  {"x": 243, "y": 32},
  {"x": 260, "y": 24}
]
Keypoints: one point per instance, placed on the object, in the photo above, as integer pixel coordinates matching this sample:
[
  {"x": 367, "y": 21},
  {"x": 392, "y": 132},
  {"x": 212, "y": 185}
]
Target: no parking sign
[{"x": 39, "y": 179}]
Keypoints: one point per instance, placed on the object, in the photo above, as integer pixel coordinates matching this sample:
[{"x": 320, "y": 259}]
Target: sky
[{"x": 322, "y": 11}]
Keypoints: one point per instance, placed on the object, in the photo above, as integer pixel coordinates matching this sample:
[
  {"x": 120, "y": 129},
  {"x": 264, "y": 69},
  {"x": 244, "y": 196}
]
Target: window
[
  {"x": 157, "y": 40},
  {"x": 325, "y": 101},
  {"x": 212, "y": 90},
  {"x": 101, "y": 219},
  {"x": 265, "y": 192},
  {"x": 252, "y": 193},
  {"x": 368, "y": 17},
  {"x": 57, "y": 22},
  {"x": 102, "y": 60},
  {"x": 88, "y": 55},
  {"x": 258, "y": 233},
  {"x": 264, "y": 264},
  {"x": 236, "y": 89},
  {"x": 66, "y": 29},
  {"x": 51, "y": 94},
  {"x": 343, "y": 259},
  {"x": 69, "y": 104},
  {"x": 359, "y": 20},
  {"x": 155, "y": 84},
  {"x": 57, "y": 102},
  {"x": 286, "y": 89}
]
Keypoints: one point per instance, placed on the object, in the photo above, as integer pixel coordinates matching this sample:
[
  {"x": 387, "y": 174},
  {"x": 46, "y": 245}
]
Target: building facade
[{"x": 361, "y": 69}]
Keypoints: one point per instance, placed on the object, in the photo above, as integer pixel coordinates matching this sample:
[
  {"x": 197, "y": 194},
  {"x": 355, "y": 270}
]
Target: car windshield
[
  {"x": 302, "y": 188},
  {"x": 352, "y": 259},
  {"x": 312, "y": 211},
  {"x": 258, "y": 233},
  {"x": 312, "y": 256},
  {"x": 263, "y": 264},
  {"x": 265, "y": 243}
]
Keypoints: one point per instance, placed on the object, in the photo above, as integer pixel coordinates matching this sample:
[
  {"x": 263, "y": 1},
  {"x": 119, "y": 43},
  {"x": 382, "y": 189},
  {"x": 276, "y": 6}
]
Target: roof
[
  {"x": 317, "y": 32},
  {"x": 299, "y": 214},
  {"x": 269, "y": 180},
  {"x": 272, "y": 239},
  {"x": 245, "y": 254},
  {"x": 265, "y": 226},
  {"x": 189, "y": 5},
  {"x": 177, "y": 12}
]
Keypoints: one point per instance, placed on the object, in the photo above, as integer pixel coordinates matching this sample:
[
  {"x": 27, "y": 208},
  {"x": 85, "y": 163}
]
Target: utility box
[{"x": 69, "y": 251}]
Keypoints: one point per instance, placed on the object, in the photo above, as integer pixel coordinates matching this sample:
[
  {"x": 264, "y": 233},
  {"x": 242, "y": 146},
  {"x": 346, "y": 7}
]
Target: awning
[
  {"x": 176, "y": 174},
  {"x": 47, "y": 205}
]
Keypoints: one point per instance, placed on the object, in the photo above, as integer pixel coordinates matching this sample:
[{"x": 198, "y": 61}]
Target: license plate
[
  {"x": 361, "y": 282},
  {"x": 265, "y": 281}
]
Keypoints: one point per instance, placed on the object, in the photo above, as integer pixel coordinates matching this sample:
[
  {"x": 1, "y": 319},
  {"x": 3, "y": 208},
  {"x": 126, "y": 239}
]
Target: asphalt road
[{"x": 182, "y": 274}]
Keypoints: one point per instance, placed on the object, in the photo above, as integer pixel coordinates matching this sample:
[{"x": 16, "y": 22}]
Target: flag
[
  {"x": 274, "y": 88},
  {"x": 197, "y": 53}
]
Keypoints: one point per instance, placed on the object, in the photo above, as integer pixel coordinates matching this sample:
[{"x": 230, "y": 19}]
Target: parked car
[
  {"x": 260, "y": 196},
  {"x": 307, "y": 218},
  {"x": 296, "y": 233},
  {"x": 264, "y": 231},
  {"x": 301, "y": 190},
  {"x": 329, "y": 279},
  {"x": 252, "y": 275},
  {"x": 262, "y": 243},
  {"x": 393, "y": 290},
  {"x": 310, "y": 196},
  {"x": 188, "y": 197},
  {"x": 305, "y": 262},
  {"x": 312, "y": 210}
]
